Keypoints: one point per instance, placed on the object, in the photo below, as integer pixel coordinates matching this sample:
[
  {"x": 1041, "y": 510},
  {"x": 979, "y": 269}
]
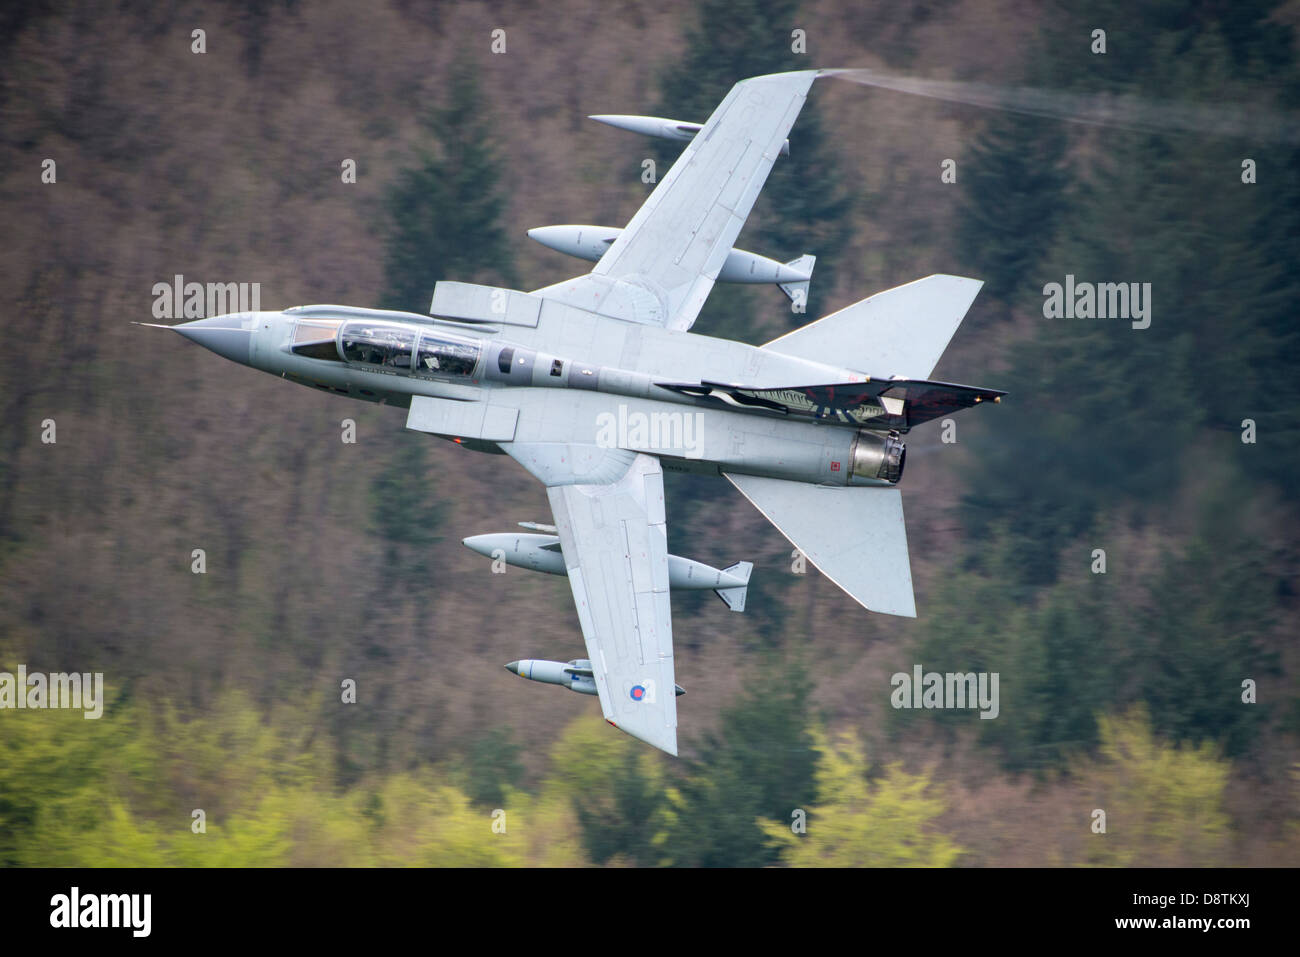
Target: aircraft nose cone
[
  {"x": 513, "y": 667},
  {"x": 224, "y": 335}
]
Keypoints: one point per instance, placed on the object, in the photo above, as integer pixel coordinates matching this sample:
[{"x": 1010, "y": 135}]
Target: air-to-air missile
[
  {"x": 665, "y": 129},
  {"x": 592, "y": 242},
  {"x": 575, "y": 675},
  {"x": 541, "y": 552}
]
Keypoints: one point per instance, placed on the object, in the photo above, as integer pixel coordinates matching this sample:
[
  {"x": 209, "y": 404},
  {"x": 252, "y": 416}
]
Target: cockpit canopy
[
  {"x": 439, "y": 355},
  {"x": 400, "y": 349},
  {"x": 378, "y": 345}
]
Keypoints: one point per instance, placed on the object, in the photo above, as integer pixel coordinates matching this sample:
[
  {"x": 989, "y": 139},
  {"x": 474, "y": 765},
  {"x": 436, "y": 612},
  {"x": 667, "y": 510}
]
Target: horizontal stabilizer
[
  {"x": 854, "y": 536},
  {"x": 735, "y": 597},
  {"x": 901, "y": 331}
]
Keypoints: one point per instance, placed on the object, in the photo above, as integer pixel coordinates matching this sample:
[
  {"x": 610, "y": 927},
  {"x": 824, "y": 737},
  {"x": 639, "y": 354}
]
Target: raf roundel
[{"x": 638, "y": 692}]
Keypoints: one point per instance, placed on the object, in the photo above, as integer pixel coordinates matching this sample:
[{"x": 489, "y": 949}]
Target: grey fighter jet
[{"x": 596, "y": 386}]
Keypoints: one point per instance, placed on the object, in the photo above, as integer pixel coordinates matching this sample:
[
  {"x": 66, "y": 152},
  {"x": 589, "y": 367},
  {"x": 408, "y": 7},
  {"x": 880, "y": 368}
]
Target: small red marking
[
  {"x": 611, "y": 723},
  {"x": 457, "y": 441},
  {"x": 835, "y": 466}
]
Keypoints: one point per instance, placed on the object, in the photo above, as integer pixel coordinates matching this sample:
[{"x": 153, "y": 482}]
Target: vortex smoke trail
[{"x": 1103, "y": 109}]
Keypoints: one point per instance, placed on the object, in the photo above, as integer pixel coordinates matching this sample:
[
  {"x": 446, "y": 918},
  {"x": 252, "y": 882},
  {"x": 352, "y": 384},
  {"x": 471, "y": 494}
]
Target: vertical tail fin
[{"x": 899, "y": 332}]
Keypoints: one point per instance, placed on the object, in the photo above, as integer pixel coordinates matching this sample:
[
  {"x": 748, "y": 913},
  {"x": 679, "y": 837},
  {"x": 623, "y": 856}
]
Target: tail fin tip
[{"x": 901, "y": 331}]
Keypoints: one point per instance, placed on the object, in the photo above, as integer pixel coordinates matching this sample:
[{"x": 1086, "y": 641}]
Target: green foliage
[
  {"x": 446, "y": 212},
  {"x": 427, "y": 824},
  {"x": 890, "y": 824},
  {"x": 492, "y": 767},
  {"x": 616, "y": 788},
  {"x": 1058, "y": 661},
  {"x": 45, "y": 759},
  {"x": 759, "y": 764},
  {"x": 405, "y": 512},
  {"x": 120, "y": 791},
  {"x": 1013, "y": 191},
  {"x": 1182, "y": 642},
  {"x": 626, "y": 821},
  {"x": 1099, "y": 411},
  {"x": 1202, "y": 633},
  {"x": 1163, "y": 804}
]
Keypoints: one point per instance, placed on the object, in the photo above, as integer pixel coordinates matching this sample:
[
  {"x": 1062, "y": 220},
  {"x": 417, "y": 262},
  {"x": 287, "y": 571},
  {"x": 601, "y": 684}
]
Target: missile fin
[
  {"x": 538, "y": 527},
  {"x": 797, "y": 292},
  {"x": 735, "y": 597}
]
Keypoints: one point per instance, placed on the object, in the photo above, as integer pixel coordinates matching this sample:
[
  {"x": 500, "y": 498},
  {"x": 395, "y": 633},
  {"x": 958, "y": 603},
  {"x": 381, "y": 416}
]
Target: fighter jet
[{"x": 597, "y": 386}]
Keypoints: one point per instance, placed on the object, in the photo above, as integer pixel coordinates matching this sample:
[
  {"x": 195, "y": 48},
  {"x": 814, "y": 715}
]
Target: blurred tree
[
  {"x": 447, "y": 211},
  {"x": 405, "y": 512},
  {"x": 854, "y": 825},
  {"x": 616, "y": 788},
  {"x": 120, "y": 791},
  {"x": 1203, "y": 632},
  {"x": 627, "y": 824},
  {"x": 428, "y": 824},
  {"x": 759, "y": 764},
  {"x": 1013, "y": 198},
  {"x": 52, "y": 767},
  {"x": 548, "y": 824},
  {"x": 1101, "y": 413},
  {"x": 1163, "y": 804},
  {"x": 492, "y": 766},
  {"x": 1075, "y": 664},
  {"x": 1059, "y": 657},
  {"x": 1182, "y": 643}
]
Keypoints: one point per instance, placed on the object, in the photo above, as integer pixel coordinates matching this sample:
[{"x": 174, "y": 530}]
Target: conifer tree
[{"x": 446, "y": 211}]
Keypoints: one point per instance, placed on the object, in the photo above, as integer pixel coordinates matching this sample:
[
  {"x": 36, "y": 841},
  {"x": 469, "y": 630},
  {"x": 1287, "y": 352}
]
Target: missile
[
  {"x": 541, "y": 552},
  {"x": 592, "y": 242},
  {"x": 575, "y": 675},
  {"x": 658, "y": 126}
]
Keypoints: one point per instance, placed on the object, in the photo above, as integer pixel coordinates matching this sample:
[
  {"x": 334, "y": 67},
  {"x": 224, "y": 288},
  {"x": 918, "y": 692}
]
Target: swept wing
[
  {"x": 662, "y": 267},
  {"x": 615, "y": 543}
]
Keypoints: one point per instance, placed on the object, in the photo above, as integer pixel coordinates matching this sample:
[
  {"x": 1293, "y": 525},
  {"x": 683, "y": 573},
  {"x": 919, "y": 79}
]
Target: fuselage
[{"x": 580, "y": 368}]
